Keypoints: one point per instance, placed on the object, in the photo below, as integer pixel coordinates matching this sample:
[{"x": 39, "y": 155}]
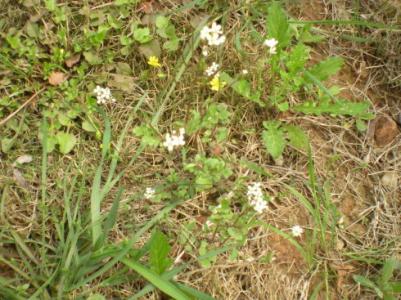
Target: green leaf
[
  {"x": 159, "y": 282},
  {"x": 297, "y": 137},
  {"x": 273, "y": 139},
  {"x": 87, "y": 126},
  {"x": 339, "y": 107},
  {"x": 162, "y": 22},
  {"x": 151, "y": 49},
  {"x": 66, "y": 141},
  {"x": 148, "y": 135},
  {"x": 362, "y": 280},
  {"x": 96, "y": 297},
  {"x": 142, "y": 35},
  {"x": 297, "y": 58},
  {"x": 92, "y": 58},
  {"x": 324, "y": 69},
  {"x": 277, "y": 25},
  {"x": 159, "y": 250},
  {"x": 171, "y": 45},
  {"x": 6, "y": 144},
  {"x": 51, "y": 5},
  {"x": 243, "y": 88}
]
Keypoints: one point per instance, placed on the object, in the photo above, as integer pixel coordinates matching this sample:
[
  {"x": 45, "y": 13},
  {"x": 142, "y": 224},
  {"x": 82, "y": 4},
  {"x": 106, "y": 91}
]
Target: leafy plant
[
  {"x": 276, "y": 136},
  {"x": 208, "y": 171},
  {"x": 383, "y": 285}
]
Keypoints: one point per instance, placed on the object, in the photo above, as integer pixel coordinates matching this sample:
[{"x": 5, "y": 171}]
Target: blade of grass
[{"x": 158, "y": 281}]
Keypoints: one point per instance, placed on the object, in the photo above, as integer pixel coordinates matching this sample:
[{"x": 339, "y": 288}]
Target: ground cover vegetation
[{"x": 199, "y": 149}]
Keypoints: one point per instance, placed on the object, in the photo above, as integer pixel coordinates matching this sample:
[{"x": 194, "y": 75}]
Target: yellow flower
[
  {"x": 216, "y": 84},
  {"x": 154, "y": 62}
]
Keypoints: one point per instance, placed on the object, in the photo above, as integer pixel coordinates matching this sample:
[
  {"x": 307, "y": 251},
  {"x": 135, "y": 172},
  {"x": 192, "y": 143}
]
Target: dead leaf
[
  {"x": 73, "y": 60},
  {"x": 57, "y": 78},
  {"x": 19, "y": 178},
  {"x": 149, "y": 7},
  {"x": 386, "y": 130},
  {"x": 23, "y": 159}
]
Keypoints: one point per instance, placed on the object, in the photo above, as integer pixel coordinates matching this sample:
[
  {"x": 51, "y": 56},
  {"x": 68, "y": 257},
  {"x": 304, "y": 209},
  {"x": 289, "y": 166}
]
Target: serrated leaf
[
  {"x": 362, "y": 280},
  {"x": 324, "y": 69},
  {"x": 274, "y": 141},
  {"x": 297, "y": 137},
  {"x": 277, "y": 24},
  {"x": 159, "y": 250},
  {"x": 339, "y": 107},
  {"x": 66, "y": 141},
  {"x": 243, "y": 88},
  {"x": 297, "y": 58}
]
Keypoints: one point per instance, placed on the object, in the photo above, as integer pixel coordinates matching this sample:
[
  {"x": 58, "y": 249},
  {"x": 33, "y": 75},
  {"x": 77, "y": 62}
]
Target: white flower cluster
[
  {"x": 297, "y": 231},
  {"x": 255, "y": 197},
  {"x": 103, "y": 95},
  {"x": 213, "y": 35},
  {"x": 212, "y": 69},
  {"x": 272, "y": 44},
  {"x": 174, "y": 139},
  {"x": 149, "y": 193}
]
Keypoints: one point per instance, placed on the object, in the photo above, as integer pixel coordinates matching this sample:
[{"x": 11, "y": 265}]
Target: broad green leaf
[
  {"x": 297, "y": 137},
  {"x": 87, "y": 126},
  {"x": 171, "y": 45},
  {"x": 324, "y": 69},
  {"x": 51, "y": 5},
  {"x": 162, "y": 21},
  {"x": 6, "y": 144},
  {"x": 277, "y": 25},
  {"x": 274, "y": 141},
  {"x": 159, "y": 250},
  {"x": 142, "y": 35},
  {"x": 92, "y": 58},
  {"x": 66, "y": 141},
  {"x": 151, "y": 49}
]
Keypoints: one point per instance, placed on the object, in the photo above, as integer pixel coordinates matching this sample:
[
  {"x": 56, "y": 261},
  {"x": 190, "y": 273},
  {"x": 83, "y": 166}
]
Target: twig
[{"x": 4, "y": 121}]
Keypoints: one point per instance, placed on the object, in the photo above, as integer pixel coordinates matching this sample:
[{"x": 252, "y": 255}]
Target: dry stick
[{"x": 4, "y": 121}]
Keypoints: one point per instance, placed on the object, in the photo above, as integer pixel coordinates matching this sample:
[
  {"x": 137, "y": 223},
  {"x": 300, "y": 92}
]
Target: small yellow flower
[
  {"x": 154, "y": 62},
  {"x": 216, "y": 84}
]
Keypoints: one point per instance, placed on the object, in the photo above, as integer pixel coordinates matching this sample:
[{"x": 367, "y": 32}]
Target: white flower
[
  {"x": 173, "y": 140},
  {"x": 271, "y": 43},
  {"x": 297, "y": 230},
  {"x": 213, "y": 35},
  {"x": 149, "y": 193},
  {"x": 245, "y": 71},
  {"x": 212, "y": 69},
  {"x": 205, "y": 51},
  {"x": 255, "y": 197},
  {"x": 103, "y": 95}
]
